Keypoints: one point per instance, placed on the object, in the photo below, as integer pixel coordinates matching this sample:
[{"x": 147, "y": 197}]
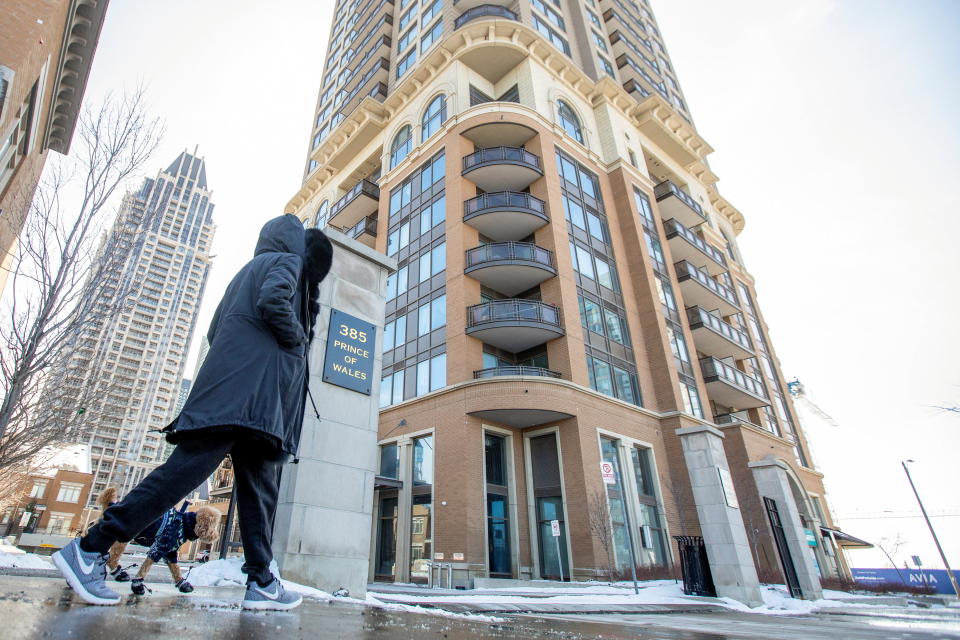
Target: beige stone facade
[{"x": 569, "y": 292}]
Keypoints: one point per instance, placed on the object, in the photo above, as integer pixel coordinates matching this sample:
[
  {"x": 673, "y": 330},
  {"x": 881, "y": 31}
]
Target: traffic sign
[
  {"x": 555, "y": 527},
  {"x": 607, "y": 473}
]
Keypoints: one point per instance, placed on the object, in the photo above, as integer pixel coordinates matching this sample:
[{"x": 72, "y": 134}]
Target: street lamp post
[{"x": 953, "y": 579}]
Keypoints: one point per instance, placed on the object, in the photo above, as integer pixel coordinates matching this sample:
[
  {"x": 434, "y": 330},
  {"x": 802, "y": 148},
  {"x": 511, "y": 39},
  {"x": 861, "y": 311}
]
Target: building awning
[
  {"x": 845, "y": 539},
  {"x": 387, "y": 483}
]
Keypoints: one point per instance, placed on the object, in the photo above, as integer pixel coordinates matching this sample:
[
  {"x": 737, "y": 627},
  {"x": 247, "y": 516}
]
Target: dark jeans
[{"x": 191, "y": 463}]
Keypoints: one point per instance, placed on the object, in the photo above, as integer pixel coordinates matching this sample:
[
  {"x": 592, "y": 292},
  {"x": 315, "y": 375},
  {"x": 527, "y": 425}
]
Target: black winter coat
[{"x": 254, "y": 375}]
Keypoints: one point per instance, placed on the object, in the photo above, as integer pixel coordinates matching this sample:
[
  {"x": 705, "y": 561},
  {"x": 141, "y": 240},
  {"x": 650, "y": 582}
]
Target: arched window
[
  {"x": 731, "y": 245},
  {"x": 434, "y": 116},
  {"x": 400, "y": 147},
  {"x": 569, "y": 121},
  {"x": 321, "y": 217}
]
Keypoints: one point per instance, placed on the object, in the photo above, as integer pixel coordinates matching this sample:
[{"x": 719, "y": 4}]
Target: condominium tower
[
  {"x": 137, "y": 358},
  {"x": 569, "y": 293}
]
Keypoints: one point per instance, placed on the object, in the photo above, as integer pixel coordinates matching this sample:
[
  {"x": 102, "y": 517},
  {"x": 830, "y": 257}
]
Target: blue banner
[
  {"x": 348, "y": 362},
  {"x": 936, "y": 578}
]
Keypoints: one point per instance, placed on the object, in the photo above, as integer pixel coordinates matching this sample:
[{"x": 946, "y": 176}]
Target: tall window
[
  {"x": 498, "y": 511},
  {"x": 434, "y": 116},
  {"x": 569, "y": 121},
  {"x": 39, "y": 486},
  {"x": 69, "y": 492},
  {"x": 322, "y": 214},
  {"x": 400, "y": 147},
  {"x": 616, "y": 504},
  {"x": 421, "y": 509}
]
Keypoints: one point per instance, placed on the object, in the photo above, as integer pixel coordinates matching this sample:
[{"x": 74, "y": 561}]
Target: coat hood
[{"x": 283, "y": 234}]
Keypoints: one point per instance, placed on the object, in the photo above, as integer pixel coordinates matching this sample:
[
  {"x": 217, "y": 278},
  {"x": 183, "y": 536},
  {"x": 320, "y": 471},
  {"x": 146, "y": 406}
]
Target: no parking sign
[{"x": 606, "y": 471}]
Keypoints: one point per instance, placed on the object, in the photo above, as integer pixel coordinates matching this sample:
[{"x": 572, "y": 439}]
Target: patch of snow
[
  {"x": 228, "y": 573},
  {"x": 11, "y": 557}
]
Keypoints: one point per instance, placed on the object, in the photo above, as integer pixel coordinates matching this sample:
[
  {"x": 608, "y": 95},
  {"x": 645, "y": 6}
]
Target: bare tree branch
[{"x": 64, "y": 286}]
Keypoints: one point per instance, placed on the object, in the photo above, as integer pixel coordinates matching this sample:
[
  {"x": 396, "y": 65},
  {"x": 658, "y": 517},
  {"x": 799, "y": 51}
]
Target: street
[{"x": 34, "y": 607}]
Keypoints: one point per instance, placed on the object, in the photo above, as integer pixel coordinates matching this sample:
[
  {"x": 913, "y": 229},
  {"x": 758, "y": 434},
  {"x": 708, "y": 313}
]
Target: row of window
[{"x": 433, "y": 118}]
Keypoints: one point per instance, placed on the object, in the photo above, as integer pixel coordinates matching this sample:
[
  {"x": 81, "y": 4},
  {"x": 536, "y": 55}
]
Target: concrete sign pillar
[
  {"x": 731, "y": 563},
  {"x": 770, "y": 475},
  {"x": 322, "y": 531}
]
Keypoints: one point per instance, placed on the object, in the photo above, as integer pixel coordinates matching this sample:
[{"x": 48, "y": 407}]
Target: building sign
[
  {"x": 351, "y": 343},
  {"x": 811, "y": 538},
  {"x": 726, "y": 483},
  {"x": 606, "y": 471},
  {"x": 555, "y": 528},
  {"x": 936, "y": 578},
  {"x": 458, "y": 556},
  {"x": 438, "y": 556}
]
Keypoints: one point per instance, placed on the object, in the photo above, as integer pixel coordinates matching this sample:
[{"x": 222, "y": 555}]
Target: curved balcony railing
[
  {"x": 667, "y": 188},
  {"x": 501, "y": 200},
  {"x": 699, "y": 317},
  {"x": 512, "y": 310},
  {"x": 714, "y": 369},
  {"x": 501, "y": 155},
  {"x": 674, "y": 228},
  {"x": 518, "y": 370},
  {"x": 484, "y": 11},
  {"x": 686, "y": 271},
  {"x": 509, "y": 251}
]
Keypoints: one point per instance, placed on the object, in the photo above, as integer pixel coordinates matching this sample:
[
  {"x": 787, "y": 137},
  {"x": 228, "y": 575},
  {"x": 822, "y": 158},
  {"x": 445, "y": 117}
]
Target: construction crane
[{"x": 799, "y": 393}]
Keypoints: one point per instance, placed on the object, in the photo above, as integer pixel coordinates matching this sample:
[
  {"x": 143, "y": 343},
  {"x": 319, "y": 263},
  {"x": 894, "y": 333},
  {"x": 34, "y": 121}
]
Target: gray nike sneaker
[
  {"x": 272, "y": 597},
  {"x": 86, "y": 572}
]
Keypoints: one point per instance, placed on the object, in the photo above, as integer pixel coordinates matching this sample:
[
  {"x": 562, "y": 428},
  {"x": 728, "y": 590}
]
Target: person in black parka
[{"x": 248, "y": 398}]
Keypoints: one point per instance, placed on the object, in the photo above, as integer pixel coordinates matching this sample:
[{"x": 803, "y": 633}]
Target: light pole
[{"x": 943, "y": 557}]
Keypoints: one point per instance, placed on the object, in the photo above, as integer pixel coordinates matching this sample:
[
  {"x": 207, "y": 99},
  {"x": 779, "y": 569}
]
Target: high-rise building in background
[
  {"x": 571, "y": 335},
  {"x": 137, "y": 358},
  {"x": 46, "y": 49}
]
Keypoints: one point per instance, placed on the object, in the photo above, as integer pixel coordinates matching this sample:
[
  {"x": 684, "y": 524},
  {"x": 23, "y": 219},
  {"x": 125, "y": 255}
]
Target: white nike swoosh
[
  {"x": 272, "y": 596},
  {"x": 87, "y": 568}
]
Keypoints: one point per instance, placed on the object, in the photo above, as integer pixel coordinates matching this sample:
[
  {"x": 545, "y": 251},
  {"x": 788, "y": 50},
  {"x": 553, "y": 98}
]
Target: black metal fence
[{"x": 697, "y": 580}]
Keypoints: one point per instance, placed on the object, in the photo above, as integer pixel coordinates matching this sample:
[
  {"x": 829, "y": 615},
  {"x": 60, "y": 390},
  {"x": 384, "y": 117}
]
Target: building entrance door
[
  {"x": 786, "y": 561},
  {"x": 385, "y": 567}
]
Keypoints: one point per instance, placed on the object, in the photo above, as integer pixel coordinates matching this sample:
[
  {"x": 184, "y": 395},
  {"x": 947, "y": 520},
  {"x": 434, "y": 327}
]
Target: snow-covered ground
[
  {"x": 776, "y": 600},
  {"x": 227, "y": 573},
  {"x": 12, "y": 557}
]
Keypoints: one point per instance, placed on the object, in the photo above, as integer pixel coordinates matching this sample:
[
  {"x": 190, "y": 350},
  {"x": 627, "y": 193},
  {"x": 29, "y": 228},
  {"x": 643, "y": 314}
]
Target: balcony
[
  {"x": 714, "y": 337},
  {"x": 699, "y": 289},
  {"x": 505, "y": 215},
  {"x": 361, "y": 201},
  {"x": 518, "y": 370},
  {"x": 514, "y": 325},
  {"x": 500, "y": 133},
  {"x": 687, "y": 245},
  {"x": 678, "y": 204},
  {"x": 467, "y": 5},
  {"x": 730, "y": 387},
  {"x": 510, "y": 267},
  {"x": 502, "y": 168},
  {"x": 364, "y": 231},
  {"x": 485, "y": 10}
]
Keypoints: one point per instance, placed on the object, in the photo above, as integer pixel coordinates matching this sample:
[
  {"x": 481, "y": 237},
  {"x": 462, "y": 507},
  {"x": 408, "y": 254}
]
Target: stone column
[
  {"x": 770, "y": 475},
  {"x": 731, "y": 563},
  {"x": 322, "y": 531}
]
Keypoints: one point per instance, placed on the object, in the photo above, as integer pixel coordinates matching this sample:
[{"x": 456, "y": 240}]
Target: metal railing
[
  {"x": 366, "y": 225},
  {"x": 512, "y": 310},
  {"x": 504, "y": 200},
  {"x": 667, "y": 188},
  {"x": 365, "y": 187},
  {"x": 713, "y": 368},
  {"x": 674, "y": 228},
  {"x": 698, "y": 316},
  {"x": 684, "y": 268},
  {"x": 515, "y": 370},
  {"x": 501, "y": 154},
  {"x": 495, "y": 251},
  {"x": 484, "y": 11}
]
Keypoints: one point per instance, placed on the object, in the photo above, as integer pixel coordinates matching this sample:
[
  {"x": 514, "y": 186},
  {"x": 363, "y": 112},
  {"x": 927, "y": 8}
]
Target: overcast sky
[{"x": 836, "y": 136}]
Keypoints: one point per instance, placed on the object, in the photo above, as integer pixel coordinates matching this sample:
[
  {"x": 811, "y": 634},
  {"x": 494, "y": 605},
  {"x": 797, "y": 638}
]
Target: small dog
[{"x": 164, "y": 537}]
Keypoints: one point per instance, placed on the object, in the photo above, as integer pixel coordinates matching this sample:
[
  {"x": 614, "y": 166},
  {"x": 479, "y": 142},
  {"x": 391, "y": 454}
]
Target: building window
[
  {"x": 38, "y": 488},
  {"x": 59, "y": 523},
  {"x": 406, "y": 62},
  {"x": 569, "y": 121},
  {"x": 421, "y": 509},
  {"x": 401, "y": 146},
  {"x": 547, "y": 32},
  {"x": 389, "y": 460},
  {"x": 498, "y": 506},
  {"x": 320, "y": 220},
  {"x": 69, "y": 492},
  {"x": 434, "y": 116},
  {"x": 431, "y": 36}
]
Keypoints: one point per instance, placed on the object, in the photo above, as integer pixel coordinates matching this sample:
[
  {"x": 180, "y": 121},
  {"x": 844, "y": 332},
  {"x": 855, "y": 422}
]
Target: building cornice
[{"x": 80, "y": 36}]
